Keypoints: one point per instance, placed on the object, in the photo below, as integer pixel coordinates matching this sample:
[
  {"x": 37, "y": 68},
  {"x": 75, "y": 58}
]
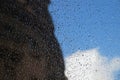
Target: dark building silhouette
[{"x": 28, "y": 47}]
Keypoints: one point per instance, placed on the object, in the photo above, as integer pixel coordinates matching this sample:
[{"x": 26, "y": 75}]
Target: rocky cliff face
[{"x": 28, "y": 47}]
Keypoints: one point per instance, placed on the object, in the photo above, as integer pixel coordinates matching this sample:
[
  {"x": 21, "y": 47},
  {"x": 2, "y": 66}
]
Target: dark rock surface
[{"x": 29, "y": 49}]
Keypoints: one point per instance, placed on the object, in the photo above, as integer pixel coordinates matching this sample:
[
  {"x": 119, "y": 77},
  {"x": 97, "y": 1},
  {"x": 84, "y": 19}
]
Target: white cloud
[{"x": 90, "y": 65}]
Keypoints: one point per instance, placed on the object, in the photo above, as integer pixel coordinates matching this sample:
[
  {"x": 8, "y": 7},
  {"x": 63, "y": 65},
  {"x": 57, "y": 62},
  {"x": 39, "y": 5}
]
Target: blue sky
[{"x": 87, "y": 24}]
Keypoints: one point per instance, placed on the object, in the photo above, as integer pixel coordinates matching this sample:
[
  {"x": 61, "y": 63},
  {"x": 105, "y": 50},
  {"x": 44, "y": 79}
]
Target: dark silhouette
[{"x": 28, "y": 47}]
